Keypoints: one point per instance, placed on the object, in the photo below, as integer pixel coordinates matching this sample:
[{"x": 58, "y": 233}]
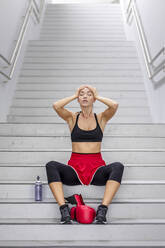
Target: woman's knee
[
  {"x": 116, "y": 173},
  {"x": 51, "y": 163},
  {"x": 118, "y": 166}
]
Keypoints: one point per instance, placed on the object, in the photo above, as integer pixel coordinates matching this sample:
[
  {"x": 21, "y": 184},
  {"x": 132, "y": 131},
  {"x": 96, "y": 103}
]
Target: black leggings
[{"x": 59, "y": 172}]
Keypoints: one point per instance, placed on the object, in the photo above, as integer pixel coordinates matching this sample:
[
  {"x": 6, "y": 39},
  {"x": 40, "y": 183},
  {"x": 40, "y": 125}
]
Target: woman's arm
[
  {"x": 64, "y": 113},
  {"x": 59, "y": 106},
  {"x": 61, "y": 103},
  {"x": 107, "y": 114},
  {"x": 112, "y": 105}
]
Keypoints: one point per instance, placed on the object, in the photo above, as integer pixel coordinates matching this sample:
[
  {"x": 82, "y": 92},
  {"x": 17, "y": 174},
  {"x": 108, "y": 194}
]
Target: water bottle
[{"x": 38, "y": 189}]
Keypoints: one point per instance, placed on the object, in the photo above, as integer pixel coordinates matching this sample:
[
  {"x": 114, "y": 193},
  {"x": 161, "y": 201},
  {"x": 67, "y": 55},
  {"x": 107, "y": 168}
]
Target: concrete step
[
  {"x": 53, "y": 119},
  {"x": 36, "y": 143},
  {"x": 48, "y": 102},
  {"x": 45, "y": 210},
  {"x": 85, "y": 5},
  {"x": 79, "y": 54},
  {"x": 149, "y": 130},
  {"x": 80, "y": 66},
  {"x": 106, "y": 10},
  {"x": 74, "y": 32},
  {"x": 77, "y": 244},
  {"x": 122, "y": 111},
  {"x": 98, "y": 49},
  {"x": 72, "y": 73},
  {"x": 80, "y": 22},
  {"x": 113, "y": 62},
  {"x": 82, "y": 26},
  {"x": 49, "y": 87},
  {"x": 129, "y": 191},
  {"x": 28, "y": 173},
  {"x": 83, "y": 37},
  {"x": 95, "y": 9},
  {"x": 117, "y": 230},
  {"x": 73, "y": 43},
  {"x": 97, "y": 82},
  {"x": 42, "y": 156},
  {"x": 91, "y": 12},
  {"x": 81, "y": 15}
]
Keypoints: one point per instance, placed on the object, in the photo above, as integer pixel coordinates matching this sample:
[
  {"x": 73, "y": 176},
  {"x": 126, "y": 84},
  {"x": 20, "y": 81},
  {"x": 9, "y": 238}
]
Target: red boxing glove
[{"x": 81, "y": 213}]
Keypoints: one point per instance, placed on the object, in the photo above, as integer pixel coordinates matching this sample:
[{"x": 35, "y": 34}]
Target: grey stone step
[
  {"x": 49, "y": 87},
  {"x": 27, "y": 173},
  {"x": 96, "y": 82},
  {"x": 88, "y": 54},
  {"x": 74, "y": 43},
  {"x": 130, "y": 156},
  {"x": 109, "y": 142},
  {"x": 84, "y": 9},
  {"x": 48, "y": 102},
  {"x": 85, "y": 5},
  {"x": 81, "y": 26},
  {"x": 78, "y": 244},
  {"x": 52, "y": 200},
  {"x": 91, "y": 12},
  {"x": 96, "y": 21},
  {"x": 81, "y": 15},
  {"x": 129, "y": 191},
  {"x": 117, "y": 230},
  {"x": 132, "y": 62},
  {"x": 83, "y": 29},
  {"x": 122, "y": 111},
  {"x": 112, "y": 130},
  {"x": 78, "y": 32},
  {"x": 83, "y": 37},
  {"x": 81, "y": 66},
  {"x": 53, "y": 119},
  {"x": 117, "y": 90},
  {"x": 116, "y": 211},
  {"x": 55, "y": 221},
  {"x": 96, "y": 49},
  {"x": 72, "y": 73}
]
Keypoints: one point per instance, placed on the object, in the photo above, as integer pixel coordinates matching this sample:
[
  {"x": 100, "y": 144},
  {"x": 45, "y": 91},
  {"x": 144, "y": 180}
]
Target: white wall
[
  {"x": 11, "y": 19},
  {"x": 153, "y": 19}
]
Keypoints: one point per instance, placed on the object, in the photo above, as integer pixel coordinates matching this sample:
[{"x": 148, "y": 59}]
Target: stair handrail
[
  {"x": 37, "y": 11},
  {"x": 152, "y": 70}
]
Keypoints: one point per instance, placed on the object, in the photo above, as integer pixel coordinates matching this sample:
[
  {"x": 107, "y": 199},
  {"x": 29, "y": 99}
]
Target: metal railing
[
  {"x": 152, "y": 70},
  {"x": 37, "y": 11}
]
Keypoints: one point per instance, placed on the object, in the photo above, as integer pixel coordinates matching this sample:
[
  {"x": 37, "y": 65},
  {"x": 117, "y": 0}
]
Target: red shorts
[{"x": 86, "y": 165}]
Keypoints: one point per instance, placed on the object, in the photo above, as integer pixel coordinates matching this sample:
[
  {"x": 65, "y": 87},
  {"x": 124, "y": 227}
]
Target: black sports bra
[{"x": 80, "y": 135}]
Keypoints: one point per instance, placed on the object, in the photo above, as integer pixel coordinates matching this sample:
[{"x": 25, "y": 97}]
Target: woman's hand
[
  {"x": 93, "y": 89},
  {"x": 80, "y": 88}
]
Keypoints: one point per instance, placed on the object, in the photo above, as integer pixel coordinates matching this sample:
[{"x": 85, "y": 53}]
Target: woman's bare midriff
[{"x": 86, "y": 147}]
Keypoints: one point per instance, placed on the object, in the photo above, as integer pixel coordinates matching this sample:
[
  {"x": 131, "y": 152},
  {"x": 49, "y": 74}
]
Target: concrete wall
[
  {"x": 11, "y": 19},
  {"x": 153, "y": 19}
]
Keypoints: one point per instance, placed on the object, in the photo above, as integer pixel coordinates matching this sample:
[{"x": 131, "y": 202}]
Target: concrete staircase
[{"x": 81, "y": 44}]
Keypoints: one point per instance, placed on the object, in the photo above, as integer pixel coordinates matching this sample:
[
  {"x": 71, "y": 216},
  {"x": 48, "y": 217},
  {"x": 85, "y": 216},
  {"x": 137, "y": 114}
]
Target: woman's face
[{"x": 86, "y": 97}]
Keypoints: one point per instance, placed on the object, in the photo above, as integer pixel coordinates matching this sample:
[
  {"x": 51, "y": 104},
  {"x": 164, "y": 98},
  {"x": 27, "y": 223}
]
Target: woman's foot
[
  {"x": 65, "y": 214},
  {"x": 101, "y": 215}
]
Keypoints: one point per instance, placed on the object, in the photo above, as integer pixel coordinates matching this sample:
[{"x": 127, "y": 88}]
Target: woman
[{"x": 85, "y": 165}]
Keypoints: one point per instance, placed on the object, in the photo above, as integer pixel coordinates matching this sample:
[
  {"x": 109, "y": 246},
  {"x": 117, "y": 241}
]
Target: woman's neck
[{"x": 87, "y": 113}]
